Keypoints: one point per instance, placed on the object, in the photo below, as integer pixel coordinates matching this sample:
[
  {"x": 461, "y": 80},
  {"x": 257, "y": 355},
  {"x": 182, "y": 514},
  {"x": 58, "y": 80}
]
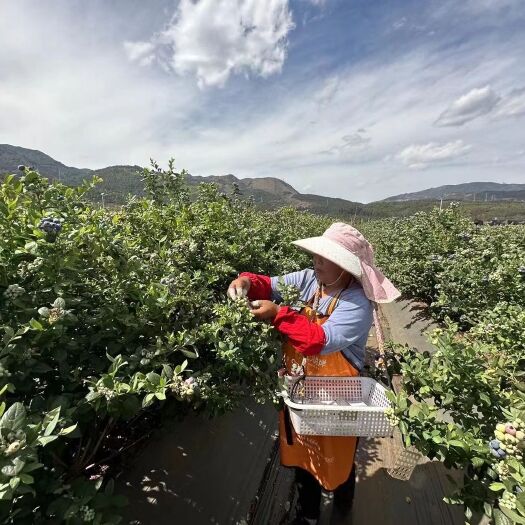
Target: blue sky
[{"x": 355, "y": 99}]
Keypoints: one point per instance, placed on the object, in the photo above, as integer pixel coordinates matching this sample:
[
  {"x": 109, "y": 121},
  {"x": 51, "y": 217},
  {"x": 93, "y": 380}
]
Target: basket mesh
[
  {"x": 358, "y": 399},
  {"x": 405, "y": 462}
]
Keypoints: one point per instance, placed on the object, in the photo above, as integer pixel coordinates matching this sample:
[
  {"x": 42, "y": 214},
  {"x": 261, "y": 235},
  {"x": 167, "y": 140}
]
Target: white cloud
[
  {"x": 81, "y": 103},
  {"x": 351, "y": 146},
  {"x": 141, "y": 52},
  {"x": 71, "y": 92},
  {"x": 325, "y": 95},
  {"x": 512, "y": 105},
  {"x": 477, "y": 102},
  {"x": 421, "y": 155},
  {"x": 483, "y": 101},
  {"x": 213, "y": 39},
  {"x": 400, "y": 23},
  {"x": 481, "y": 6}
]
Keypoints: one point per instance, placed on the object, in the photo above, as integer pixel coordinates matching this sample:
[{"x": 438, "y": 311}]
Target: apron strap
[{"x": 333, "y": 303}]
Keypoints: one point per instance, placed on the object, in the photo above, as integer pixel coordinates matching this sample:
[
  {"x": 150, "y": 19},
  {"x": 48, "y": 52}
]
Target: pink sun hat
[{"x": 346, "y": 246}]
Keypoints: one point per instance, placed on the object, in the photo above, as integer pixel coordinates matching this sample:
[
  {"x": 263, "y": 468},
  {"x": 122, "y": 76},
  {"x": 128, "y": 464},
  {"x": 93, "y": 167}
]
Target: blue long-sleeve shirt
[{"x": 348, "y": 326}]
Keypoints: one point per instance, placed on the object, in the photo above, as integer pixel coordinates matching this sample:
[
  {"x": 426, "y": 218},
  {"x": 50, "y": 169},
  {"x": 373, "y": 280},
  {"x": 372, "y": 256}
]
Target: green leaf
[
  {"x": 402, "y": 403},
  {"x": 13, "y": 418},
  {"x": 457, "y": 443},
  {"x": 43, "y": 311},
  {"x": 147, "y": 400},
  {"x": 189, "y": 353},
  {"x": 59, "y": 303},
  {"x": 27, "y": 479},
  {"x": 513, "y": 515},
  {"x": 496, "y": 487},
  {"x": 413, "y": 411},
  {"x": 448, "y": 399},
  {"x": 50, "y": 421},
  {"x": 35, "y": 325},
  {"x": 44, "y": 440},
  {"x": 167, "y": 371},
  {"x": 119, "y": 500},
  {"x": 14, "y": 482},
  {"x": 32, "y": 466},
  {"x": 15, "y": 468},
  {"x": 31, "y": 247},
  {"x": 67, "y": 430},
  {"x": 41, "y": 368},
  {"x": 153, "y": 377},
  {"x": 485, "y": 398},
  {"x": 500, "y": 518},
  {"x": 478, "y": 462},
  {"x": 109, "y": 488}
]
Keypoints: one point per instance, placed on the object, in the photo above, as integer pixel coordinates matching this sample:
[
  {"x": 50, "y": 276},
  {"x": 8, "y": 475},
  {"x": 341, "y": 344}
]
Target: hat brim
[{"x": 332, "y": 251}]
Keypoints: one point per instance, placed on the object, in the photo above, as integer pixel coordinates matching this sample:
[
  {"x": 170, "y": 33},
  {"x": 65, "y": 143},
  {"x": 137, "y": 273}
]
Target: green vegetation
[
  {"x": 105, "y": 314},
  {"x": 456, "y": 403},
  {"x": 119, "y": 182}
]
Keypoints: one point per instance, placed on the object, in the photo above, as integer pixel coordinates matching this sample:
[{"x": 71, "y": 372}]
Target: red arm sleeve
[
  {"x": 261, "y": 286},
  {"x": 306, "y": 337}
]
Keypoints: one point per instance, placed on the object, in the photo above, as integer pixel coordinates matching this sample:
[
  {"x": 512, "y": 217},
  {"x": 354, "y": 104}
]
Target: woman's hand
[
  {"x": 239, "y": 287},
  {"x": 264, "y": 310}
]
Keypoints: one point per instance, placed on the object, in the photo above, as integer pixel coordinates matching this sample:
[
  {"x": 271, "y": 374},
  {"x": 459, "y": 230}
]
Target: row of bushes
[
  {"x": 464, "y": 404},
  {"x": 105, "y": 314}
]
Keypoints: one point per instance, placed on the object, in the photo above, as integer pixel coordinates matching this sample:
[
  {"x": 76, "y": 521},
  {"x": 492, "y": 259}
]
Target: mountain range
[
  {"x": 471, "y": 191},
  {"x": 269, "y": 192}
]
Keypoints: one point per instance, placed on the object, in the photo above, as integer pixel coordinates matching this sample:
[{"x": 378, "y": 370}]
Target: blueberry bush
[
  {"x": 464, "y": 404},
  {"x": 105, "y": 314}
]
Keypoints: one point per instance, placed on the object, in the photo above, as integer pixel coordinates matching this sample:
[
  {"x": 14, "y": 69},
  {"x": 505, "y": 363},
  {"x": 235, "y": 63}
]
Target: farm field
[
  {"x": 111, "y": 320},
  {"x": 174, "y": 471}
]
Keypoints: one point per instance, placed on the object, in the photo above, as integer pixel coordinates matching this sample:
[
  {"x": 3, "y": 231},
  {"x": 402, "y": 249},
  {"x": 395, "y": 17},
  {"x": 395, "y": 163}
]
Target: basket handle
[
  {"x": 380, "y": 336},
  {"x": 379, "y": 332}
]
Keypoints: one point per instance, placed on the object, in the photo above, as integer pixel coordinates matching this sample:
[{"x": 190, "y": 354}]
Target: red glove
[
  {"x": 260, "y": 287},
  {"x": 306, "y": 337}
]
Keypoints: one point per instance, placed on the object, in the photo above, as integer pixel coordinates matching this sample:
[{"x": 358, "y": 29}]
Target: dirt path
[{"x": 380, "y": 498}]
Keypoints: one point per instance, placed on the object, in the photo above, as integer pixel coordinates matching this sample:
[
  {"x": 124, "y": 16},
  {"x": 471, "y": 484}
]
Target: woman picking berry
[{"x": 325, "y": 338}]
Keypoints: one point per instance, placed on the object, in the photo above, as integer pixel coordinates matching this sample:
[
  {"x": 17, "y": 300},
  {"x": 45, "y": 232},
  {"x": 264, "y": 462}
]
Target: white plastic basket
[{"x": 338, "y": 406}]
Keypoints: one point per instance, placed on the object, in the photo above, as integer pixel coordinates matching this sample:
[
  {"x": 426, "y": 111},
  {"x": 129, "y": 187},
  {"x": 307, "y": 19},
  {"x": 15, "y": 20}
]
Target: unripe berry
[
  {"x": 509, "y": 429},
  {"x": 13, "y": 448}
]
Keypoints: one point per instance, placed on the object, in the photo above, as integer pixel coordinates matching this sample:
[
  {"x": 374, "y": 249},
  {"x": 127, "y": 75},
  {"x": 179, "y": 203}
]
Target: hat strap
[{"x": 340, "y": 275}]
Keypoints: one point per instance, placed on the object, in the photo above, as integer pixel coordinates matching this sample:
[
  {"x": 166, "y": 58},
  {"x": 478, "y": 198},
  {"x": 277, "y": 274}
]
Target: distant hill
[
  {"x": 470, "y": 191},
  {"x": 13, "y": 156},
  {"x": 492, "y": 199},
  {"x": 120, "y": 181}
]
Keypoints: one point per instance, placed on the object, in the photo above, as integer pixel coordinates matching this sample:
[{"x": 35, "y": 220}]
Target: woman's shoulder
[
  {"x": 302, "y": 279},
  {"x": 355, "y": 294}
]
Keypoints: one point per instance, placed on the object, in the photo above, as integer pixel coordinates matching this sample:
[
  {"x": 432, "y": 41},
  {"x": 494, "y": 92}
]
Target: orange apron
[{"x": 329, "y": 459}]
